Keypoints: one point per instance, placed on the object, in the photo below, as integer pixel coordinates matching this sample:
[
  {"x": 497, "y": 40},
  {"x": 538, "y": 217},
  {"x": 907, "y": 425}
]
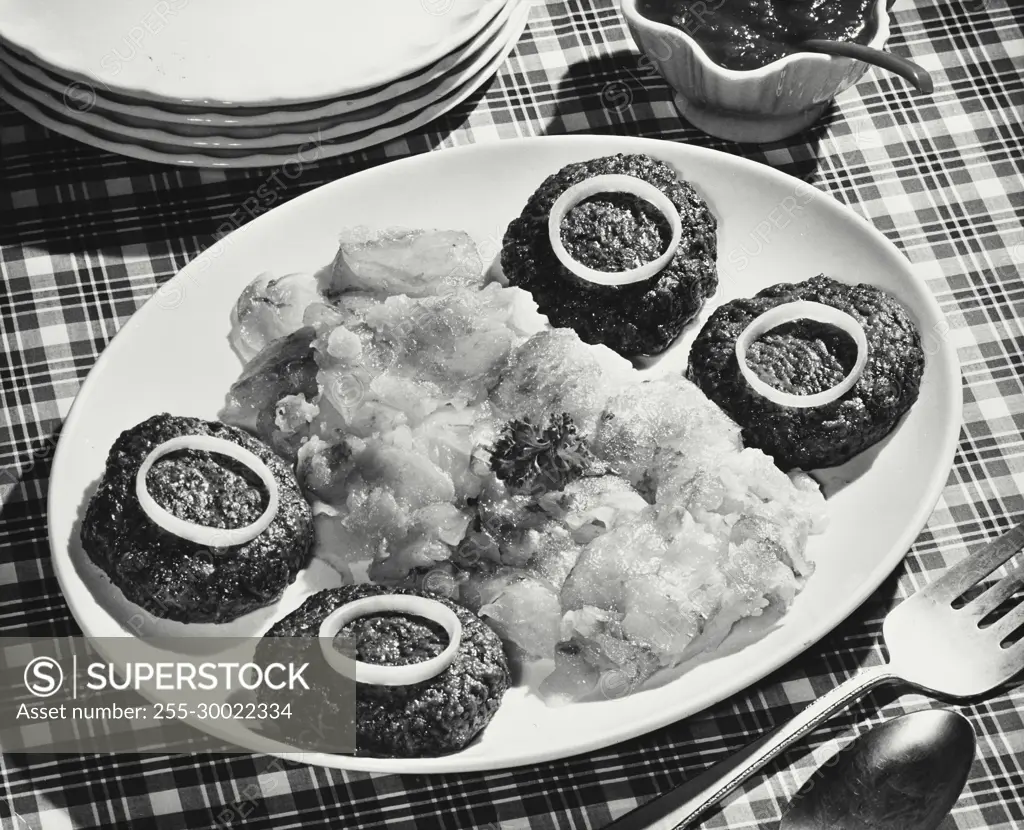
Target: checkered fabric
[{"x": 87, "y": 237}]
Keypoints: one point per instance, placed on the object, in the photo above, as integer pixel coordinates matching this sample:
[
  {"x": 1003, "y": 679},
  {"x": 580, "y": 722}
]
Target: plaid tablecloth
[{"x": 87, "y": 237}]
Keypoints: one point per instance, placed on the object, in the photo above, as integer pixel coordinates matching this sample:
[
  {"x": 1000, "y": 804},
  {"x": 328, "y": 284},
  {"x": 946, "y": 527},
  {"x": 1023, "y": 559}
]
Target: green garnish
[{"x": 530, "y": 457}]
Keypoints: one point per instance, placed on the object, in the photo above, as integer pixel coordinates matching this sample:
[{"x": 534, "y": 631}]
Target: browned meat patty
[
  {"x": 178, "y": 579},
  {"x": 805, "y": 358},
  {"x": 637, "y": 319},
  {"x": 439, "y": 716}
]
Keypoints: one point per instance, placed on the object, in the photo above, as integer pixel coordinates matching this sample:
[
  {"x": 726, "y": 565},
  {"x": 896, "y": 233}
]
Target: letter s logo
[{"x": 43, "y": 676}]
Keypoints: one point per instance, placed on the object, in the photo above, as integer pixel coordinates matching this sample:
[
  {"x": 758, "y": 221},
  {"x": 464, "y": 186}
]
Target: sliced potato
[{"x": 404, "y": 261}]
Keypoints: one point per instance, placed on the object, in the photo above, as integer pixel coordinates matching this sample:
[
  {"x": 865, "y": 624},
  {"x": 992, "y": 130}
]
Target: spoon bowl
[{"x": 905, "y": 774}]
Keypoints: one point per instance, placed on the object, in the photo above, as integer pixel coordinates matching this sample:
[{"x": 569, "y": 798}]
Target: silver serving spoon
[{"x": 905, "y": 774}]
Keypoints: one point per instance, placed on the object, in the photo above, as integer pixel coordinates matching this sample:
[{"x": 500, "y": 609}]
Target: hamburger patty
[
  {"x": 823, "y": 436},
  {"x": 636, "y": 319},
  {"x": 436, "y": 717},
  {"x": 172, "y": 577}
]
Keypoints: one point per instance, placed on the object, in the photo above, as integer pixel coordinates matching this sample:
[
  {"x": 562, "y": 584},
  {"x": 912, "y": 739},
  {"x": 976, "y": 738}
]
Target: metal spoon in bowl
[
  {"x": 905, "y": 774},
  {"x": 917, "y": 75}
]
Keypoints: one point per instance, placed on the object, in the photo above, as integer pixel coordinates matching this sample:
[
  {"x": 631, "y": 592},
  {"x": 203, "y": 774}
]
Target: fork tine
[
  {"x": 975, "y": 567},
  {"x": 1014, "y": 659},
  {"x": 997, "y": 594},
  {"x": 1007, "y": 624}
]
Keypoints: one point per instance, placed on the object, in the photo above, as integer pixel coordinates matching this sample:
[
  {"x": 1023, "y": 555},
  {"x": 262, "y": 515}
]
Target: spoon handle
[
  {"x": 680, "y": 806},
  {"x": 910, "y": 71}
]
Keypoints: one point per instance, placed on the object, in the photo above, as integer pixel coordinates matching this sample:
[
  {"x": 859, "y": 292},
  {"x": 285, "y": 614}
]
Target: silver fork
[{"x": 932, "y": 645}]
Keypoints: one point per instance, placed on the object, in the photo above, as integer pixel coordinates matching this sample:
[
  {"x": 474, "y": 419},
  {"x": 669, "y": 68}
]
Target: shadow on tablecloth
[{"x": 622, "y": 94}]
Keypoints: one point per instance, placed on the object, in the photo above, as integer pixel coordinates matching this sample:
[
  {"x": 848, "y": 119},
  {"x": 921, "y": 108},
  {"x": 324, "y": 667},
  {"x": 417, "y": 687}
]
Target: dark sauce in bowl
[
  {"x": 615, "y": 232},
  {"x": 749, "y": 34}
]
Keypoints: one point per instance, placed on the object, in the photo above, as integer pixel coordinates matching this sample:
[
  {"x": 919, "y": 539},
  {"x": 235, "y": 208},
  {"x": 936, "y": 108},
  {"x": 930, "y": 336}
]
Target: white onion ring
[
  {"x": 374, "y": 673},
  {"x": 613, "y": 183},
  {"x": 802, "y": 310},
  {"x": 214, "y": 537}
]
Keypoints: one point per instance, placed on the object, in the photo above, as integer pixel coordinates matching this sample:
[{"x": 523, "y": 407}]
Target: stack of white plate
[{"x": 248, "y": 83}]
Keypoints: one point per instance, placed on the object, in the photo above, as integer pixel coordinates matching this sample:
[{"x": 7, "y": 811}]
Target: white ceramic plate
[
  {"x": 239, "y": 52},
  {"x": 273, "y": 138},
  {"x": 312, "y": 149},
  {"x": 773, "y": 228},
  {"x": 191, "y": 121}
]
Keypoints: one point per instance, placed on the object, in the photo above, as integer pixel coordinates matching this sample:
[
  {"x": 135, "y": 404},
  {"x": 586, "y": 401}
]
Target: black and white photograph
[{"x": 512, "y": 414}]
